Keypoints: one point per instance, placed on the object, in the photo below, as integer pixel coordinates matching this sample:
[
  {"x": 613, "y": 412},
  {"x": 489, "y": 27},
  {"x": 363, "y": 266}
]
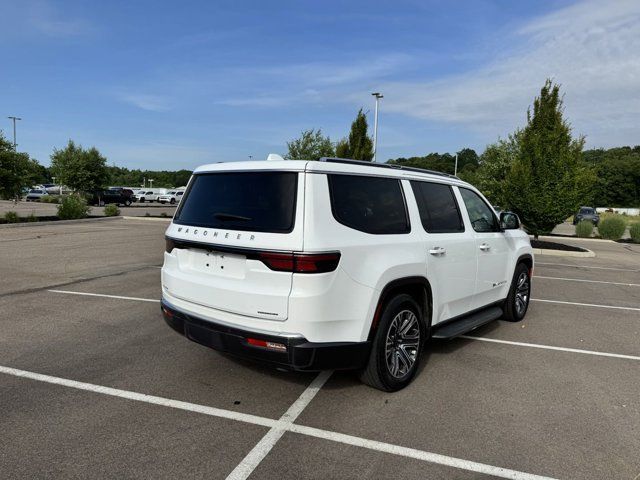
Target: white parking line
[
  {"x": 588, "y": 281},
  {"x": 595, "y": 305},
  {"x": 106, "y": 296},
  {"x": 551, "y": 347},
  {"x": 264, "y": 446},
  {"x": 589, "y": 266},
  {"x": 285, "y": 425}
]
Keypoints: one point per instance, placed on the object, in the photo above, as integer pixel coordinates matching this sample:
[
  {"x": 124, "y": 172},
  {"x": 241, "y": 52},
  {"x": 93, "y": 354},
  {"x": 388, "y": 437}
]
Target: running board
[{"x": 463, "y": 325}]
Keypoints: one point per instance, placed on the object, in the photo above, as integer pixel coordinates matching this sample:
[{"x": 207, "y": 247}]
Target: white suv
[{"x": 338, "y": 264}]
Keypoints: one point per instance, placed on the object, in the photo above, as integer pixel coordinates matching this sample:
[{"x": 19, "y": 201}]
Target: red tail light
[{"x": 301, "y": 262}]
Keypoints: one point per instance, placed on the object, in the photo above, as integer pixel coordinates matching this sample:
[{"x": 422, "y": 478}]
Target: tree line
[{"x": 78, "y": 168}]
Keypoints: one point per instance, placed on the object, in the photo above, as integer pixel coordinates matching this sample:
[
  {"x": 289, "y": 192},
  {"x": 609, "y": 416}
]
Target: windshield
[
  {"x": 35, "y": 191},
  {"x": 587, "y": 211},
  {"x": 252, "y": 201}
]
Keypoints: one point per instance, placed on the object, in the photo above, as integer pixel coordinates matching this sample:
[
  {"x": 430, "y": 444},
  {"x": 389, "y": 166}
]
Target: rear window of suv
[
  {"x": 369, "y": 204},
  {"x": 248, "y": 201}
]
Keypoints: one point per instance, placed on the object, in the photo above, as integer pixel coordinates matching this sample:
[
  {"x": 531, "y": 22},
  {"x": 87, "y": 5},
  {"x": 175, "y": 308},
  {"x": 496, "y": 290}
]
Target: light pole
[
  {"x": 455, "y": 169},
  {"x": 15, "y": 145},
  {"x": 378, "y": 96},
  {"x": 151, "y": 183}
]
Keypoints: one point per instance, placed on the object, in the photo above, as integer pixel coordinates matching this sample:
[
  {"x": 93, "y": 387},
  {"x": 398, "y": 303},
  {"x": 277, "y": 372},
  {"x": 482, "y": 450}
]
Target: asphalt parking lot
[
  {"x": 93, "y": 384},
  {"x": 25, "y": 209}
]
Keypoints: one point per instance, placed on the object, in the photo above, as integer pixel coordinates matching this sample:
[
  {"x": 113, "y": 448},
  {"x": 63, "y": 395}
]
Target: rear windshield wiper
[{"x": 230, "y": 217}]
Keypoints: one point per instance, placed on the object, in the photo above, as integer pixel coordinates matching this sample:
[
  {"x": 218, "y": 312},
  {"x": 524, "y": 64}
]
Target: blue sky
[{"x": 168, "y": 85}]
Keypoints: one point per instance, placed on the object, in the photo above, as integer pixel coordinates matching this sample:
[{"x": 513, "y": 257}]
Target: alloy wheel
[
  {"x": 402, "y": 343},
  {"x": 522, "y": 293}
]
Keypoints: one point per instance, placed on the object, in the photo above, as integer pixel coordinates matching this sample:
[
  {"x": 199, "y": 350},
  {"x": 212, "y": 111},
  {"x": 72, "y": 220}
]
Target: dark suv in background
[
  {"x": 587, "y": 214},
  {"x": 120, "y": 196}
]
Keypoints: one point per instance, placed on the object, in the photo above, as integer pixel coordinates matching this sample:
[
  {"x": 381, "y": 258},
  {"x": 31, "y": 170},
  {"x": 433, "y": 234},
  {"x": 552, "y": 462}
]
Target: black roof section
[{"x": 385, "y": 165}]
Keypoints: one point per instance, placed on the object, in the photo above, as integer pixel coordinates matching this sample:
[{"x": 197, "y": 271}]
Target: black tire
[
  {"x": 172, "y": 201},
  {"x": 127, "y": 203},
  {"x": 378, "y": 372},
  {"x": 517, "y": 303},
  {"x": 142, "y": 200}
]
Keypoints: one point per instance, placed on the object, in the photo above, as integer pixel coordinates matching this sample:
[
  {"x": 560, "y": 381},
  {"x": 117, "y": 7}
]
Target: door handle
[
  {"x": 437, "y": 251},
  {"x": 485, "y": 247}
]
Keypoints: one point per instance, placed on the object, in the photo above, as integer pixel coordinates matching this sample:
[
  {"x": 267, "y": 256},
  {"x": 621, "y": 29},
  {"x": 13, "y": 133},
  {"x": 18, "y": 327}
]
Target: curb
[
  {"x": 562, "y": 253},
  {"x": 148, "y": 219},
  {"x": 58, "y": 222},
  {"x": 579, "y": 239}
]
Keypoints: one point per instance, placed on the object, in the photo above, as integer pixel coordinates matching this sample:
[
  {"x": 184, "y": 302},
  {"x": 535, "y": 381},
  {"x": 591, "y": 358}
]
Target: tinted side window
[
  {"x": 369, "y": 204},
  {"x": 482, "y": 216},
  {"x": 438, "y": 207}
]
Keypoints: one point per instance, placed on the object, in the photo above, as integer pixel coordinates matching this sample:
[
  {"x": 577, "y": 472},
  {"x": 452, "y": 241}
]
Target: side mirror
[{"x": 509, "y": 221}]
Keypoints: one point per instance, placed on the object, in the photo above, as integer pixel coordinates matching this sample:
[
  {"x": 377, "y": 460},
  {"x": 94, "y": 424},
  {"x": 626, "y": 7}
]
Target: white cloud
[
  {"x": 145, "y": 101},
  {"x": 591, "y": 48},
  {"x": 312, "y": 82}
]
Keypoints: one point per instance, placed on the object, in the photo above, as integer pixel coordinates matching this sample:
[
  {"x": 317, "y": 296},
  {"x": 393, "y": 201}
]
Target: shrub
[
  {"x": 11, "y": 217},
  {"x": 634, "y": 230},
  {"x": 50, "y": 199},
  {"x": 73, "y": 207},
  {"x": 111, "y": 210},
  {"x": 164, "y": 215},
  {"x": 32, "y": 218},
  {"x": 584, "y": 229},
  {"x": 612, "y": 228}
]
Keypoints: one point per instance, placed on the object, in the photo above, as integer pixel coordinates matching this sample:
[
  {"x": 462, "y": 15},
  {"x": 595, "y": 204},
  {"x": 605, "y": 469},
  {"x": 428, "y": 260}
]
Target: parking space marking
[
  {"x": 588, "y": 281},
  {"x": 286, "y": 425},
  {"x": 264, "y": 446},
  {"x": 120, "y": 297},
  {"x": 551, "y": 347},
  {"x": 416, "y": 454},
  {"x": 141, "y": 397},
  {"x": 589, "y": 266},
  {"x": 596, "y": 305}
]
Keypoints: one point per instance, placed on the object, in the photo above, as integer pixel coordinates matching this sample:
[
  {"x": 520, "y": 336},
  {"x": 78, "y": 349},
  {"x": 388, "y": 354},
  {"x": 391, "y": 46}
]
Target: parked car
[
  {"x": 105, "y": 197},
  {"x": 588, "y": 214},
  {"x": 172, "y": 197},
  {"x": 36, "y": 194},
  {"x": 339, "y": 264},
  {"x": 146, "y": 196}
]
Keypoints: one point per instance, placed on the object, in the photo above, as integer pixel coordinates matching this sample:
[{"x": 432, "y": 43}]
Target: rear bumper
[{"x": 300, "y": 354}]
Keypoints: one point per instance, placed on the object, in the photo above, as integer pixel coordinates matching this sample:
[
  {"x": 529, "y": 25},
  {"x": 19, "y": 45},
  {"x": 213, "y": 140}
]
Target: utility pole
[
  {"x": 375, "y": 127},
  {"x": 455, "y": 170},
  {"x": 15, "y": 145},
  {"x": 151, "y": 183}
]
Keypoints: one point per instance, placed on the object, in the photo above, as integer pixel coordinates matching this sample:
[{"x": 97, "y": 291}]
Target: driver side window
[{"x": 482, "y": 216}]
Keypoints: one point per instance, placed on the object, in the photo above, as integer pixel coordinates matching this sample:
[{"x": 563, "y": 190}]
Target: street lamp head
[{"x": 377, "y": 95}]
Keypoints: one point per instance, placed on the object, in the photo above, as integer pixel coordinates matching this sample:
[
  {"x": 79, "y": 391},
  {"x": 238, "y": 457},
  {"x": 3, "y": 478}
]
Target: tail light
[
  {"x": 300, "y": 262},
  {"x": 278, "y": 347}
]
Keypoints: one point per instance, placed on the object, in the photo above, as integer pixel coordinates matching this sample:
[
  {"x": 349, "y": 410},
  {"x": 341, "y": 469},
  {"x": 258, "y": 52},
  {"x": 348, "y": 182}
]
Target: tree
[
  {"x": 79, "y": 169},
  {"x": 548, "y": 180},
  {"x": 17, "y": 170},
  {"x": 495, "y": 164},
  {"x": 618, "y": 176},
  {"x": 358, "y": 146},
  {"x": 311, "y": 145}
]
